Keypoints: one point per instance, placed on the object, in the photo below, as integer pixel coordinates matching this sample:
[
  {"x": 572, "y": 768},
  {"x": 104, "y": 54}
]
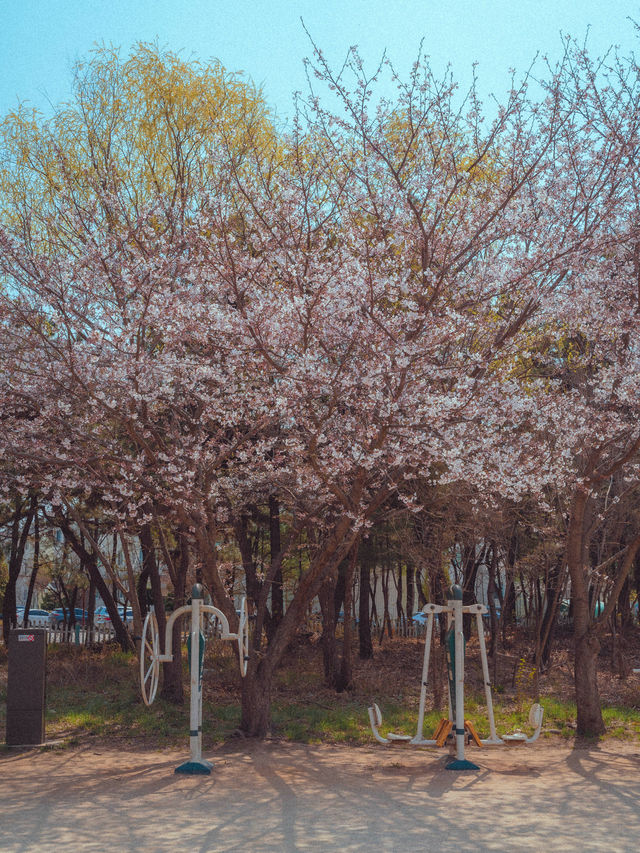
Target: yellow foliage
[{"x": 144, "y": 126}]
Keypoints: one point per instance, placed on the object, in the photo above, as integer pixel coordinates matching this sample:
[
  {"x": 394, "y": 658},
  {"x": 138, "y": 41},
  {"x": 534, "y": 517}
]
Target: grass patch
[
  {"x": 622, "y": 723},
  {"x": 95, "y": 694},
  {"x": 319, "y": 724}
]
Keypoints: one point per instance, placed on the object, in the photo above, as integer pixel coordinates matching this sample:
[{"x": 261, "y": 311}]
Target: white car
[
  {"x": 101, "y": 616},
  {"x": 37, "y": 618}
]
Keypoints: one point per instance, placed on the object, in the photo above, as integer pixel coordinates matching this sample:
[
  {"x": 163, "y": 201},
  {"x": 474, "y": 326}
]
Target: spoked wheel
[
  {"x": 149, "y": 659},
  {"x": 243, "y": 638}
]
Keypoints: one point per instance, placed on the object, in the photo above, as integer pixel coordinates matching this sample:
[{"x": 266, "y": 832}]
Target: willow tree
[{"x": 138, "y": 127}]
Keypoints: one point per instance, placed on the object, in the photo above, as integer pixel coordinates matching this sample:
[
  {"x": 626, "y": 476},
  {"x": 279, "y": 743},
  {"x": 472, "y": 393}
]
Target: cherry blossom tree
[
  {"x": 591, "y": 366},
  {"x": 409, "y": 290}
]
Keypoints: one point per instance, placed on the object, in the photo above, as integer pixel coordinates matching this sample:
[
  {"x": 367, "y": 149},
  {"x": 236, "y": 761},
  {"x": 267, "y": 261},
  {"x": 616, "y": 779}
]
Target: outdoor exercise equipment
[
  {"x": 455, "y": 725},
  {"x": 151, "y": 658}
]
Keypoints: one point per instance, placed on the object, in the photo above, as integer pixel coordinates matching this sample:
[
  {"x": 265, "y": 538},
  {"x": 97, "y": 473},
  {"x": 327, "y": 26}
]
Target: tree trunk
[
  {"x": 205, "y": 542},
  {"x": 438, "y": 675},
  {"x": 471, "y": 565},
  {"x": 141, "y": 590},
  {"x": 70, "y": 598},
  {"x": 256, "y": 689},
  {"x": 364, "y": 606},
  {"x": 624, "y": 606},
  {"x": 255, "y": 720},
  {"x": 508, "y": 613},
  {"x": 326, "y": 597},
  {"x": 587, "y": 645},
  {"x": 386, "y": 616},
  {"x": 345, "y": 675},
  {"x": 339, "y": 605},
  {"x": 253, "y": 583},
  {"x": 400, "y": 616},
  {"x": 91, "y": 610},
  {"x": 277, "y": 592},
  {"x": 35, "y": 566},
  {"x": 589, "y": 722},
  {"x": 491, "y": 598},
  {"x": 89, "y": 562},
  {"x": 410, "y": 590},
  {"x": 554, "y": 586},
  {"x": 508, "y": 602},
  {"x": 16, "y": 554},
  {"x": 422, "y": 599}
]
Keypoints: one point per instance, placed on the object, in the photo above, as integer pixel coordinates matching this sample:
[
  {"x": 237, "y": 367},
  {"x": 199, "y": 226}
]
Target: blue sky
[{"x": 40, "y": 39}]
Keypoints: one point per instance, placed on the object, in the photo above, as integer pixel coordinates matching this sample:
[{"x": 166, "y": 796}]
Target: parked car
[
  {"x": 35, "y": 619},
  {"x": 128, "y": 617},
  {"x": 100, "y": 614},
  {"x": 58, "y": 617},
  {"x": 102, "y": 617}
]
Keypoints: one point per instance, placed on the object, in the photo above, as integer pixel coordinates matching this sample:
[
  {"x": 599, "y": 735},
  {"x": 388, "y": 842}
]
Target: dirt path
[{"x": 287, "y": 797}]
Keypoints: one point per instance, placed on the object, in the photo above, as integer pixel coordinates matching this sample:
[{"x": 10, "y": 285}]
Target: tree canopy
[{"x": 199, "y": 310}]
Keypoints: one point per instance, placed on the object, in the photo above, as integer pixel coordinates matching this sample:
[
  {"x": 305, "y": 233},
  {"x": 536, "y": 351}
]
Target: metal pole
[
  {"x": 459, "y": 763},
  {"x": 449, "y": 702},
  {"x": 200, "y": 636},
  {"x": 425, "y": 674},
  {"x": 459, "y": 646},
  {"x": 493, "y": 736},
  {"x": 194, "y": 716},
  {"x": 196, "y": 764}
]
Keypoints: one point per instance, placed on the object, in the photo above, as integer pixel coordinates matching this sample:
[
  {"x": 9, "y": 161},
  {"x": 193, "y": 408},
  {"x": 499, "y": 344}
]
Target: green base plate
[
  {"x": 195, "y": 768},
  {"x": 460, "y": 764}
]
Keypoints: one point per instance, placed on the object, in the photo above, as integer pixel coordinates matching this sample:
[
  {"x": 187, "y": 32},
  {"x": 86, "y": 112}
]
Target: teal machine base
[
  {"x": 195, "y": 768},
  {"x": 460, "y": 764}
]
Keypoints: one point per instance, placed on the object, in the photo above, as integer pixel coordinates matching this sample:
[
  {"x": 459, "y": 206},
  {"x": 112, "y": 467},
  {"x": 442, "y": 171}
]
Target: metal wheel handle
[
  {"x": 243, "y": 638},
  {"x": 149, "y": 659}
]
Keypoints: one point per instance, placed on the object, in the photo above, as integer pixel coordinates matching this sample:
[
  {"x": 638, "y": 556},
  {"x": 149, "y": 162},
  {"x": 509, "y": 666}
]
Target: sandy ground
[{"x": 287, "y": 797}]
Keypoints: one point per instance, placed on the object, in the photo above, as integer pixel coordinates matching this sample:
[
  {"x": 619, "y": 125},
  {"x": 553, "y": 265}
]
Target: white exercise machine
[
  {"x": 456, "y": 725},
  {"x": 151, "y": 658}
]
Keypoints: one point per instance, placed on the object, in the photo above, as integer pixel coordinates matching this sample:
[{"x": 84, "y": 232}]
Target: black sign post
[{"x": 26, "y": 687}]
